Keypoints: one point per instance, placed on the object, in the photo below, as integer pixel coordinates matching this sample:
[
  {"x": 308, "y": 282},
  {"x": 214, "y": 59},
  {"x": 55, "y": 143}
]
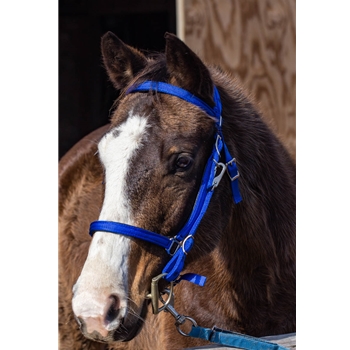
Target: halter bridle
[{"x": 179, "y": 246}]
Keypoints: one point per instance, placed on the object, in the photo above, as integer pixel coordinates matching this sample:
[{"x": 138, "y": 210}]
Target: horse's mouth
[{"x": 129, "y": 328}]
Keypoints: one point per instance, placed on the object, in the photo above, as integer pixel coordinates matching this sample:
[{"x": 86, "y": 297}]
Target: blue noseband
[{"x": 178, "y": 246}]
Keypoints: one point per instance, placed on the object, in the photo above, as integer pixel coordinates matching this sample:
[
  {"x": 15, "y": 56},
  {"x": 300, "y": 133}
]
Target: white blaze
[
  {"x": 106, "y": 268},
  {"x": 115, "y": 154}
]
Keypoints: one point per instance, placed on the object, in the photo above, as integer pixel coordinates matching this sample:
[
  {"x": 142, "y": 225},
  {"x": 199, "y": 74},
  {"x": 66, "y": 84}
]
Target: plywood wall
[{"x": 254, "y": 40}]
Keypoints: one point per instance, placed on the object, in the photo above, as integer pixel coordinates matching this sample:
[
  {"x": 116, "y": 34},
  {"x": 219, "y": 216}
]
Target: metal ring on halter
[
  {"x": 183, "y": 243},
  {"x": 194, "y": 323},
  {"x": 216, "y": 144}
]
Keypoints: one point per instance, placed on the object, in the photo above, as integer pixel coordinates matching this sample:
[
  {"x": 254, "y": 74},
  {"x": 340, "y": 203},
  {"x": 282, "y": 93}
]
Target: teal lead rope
[{"x": 232, "y": 339}]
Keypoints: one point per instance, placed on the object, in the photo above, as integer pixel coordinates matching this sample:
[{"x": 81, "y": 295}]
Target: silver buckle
[
  {"x": 175, "y": 245},
  {"x": 233, "y": 160}
]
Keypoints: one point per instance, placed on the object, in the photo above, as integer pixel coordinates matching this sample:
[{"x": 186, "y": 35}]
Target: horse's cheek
[{"x": 144, "y": 264}]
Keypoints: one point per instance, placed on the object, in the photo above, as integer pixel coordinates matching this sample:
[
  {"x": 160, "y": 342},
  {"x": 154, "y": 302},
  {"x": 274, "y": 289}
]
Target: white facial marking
[
  {"x": 115, "y": 153},
  {"x": 105, "y": 271}
]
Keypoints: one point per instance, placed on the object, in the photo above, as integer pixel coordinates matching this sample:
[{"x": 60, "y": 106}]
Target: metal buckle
[
  {"x": 175, "y": 245},
  {"x": 235, "y": 177},
  {"x": 233, "y": 160}
]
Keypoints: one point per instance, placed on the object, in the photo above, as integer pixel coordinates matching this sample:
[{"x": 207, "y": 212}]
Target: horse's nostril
[{"x": 113, "y": 310}]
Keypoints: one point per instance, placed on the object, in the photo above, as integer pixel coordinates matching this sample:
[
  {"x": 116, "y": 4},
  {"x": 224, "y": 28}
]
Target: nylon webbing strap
[
  {"x": 233, "y": 339},
  {"x": 131, "y": 231},
  {"x": 180, "y": 93}
]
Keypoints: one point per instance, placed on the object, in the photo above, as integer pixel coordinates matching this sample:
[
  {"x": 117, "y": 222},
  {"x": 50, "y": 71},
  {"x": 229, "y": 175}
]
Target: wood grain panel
[{"x": 255, "y": 41}]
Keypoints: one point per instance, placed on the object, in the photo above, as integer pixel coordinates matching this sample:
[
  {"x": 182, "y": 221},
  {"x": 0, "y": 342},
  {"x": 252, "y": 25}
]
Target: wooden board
[{"x": 255, "y": 41}]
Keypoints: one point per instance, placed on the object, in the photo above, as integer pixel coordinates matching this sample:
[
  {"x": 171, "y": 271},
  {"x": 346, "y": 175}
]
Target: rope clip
[
  {"x": 168, "y": 304},
  {"x": 218, "y": 178},
  {"x": 155, "y": 296}
]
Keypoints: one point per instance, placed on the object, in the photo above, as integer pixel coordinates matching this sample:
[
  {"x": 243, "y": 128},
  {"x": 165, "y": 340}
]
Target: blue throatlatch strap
[
  {"x": 233, "y": 173},
  {"x": 182, "y": 243},
  {"x": 233, "y": 339}
]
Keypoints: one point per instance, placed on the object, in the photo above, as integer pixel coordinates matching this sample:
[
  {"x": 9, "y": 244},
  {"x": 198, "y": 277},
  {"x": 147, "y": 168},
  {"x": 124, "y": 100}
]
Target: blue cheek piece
[{"x": 179, "y": 246}]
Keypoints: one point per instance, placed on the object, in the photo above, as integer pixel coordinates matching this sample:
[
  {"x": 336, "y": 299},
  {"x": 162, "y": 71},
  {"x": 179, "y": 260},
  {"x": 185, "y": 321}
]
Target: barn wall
[{"x": 255, "y": 40}]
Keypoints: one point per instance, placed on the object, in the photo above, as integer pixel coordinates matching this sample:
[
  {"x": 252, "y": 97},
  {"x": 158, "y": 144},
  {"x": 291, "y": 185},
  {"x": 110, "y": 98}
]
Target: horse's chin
[{"x": 128, "y": 329}]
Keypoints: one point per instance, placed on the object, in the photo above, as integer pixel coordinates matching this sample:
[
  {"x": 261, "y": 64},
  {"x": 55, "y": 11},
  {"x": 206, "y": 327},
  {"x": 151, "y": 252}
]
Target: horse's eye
[{"x": 183, "y": 162}]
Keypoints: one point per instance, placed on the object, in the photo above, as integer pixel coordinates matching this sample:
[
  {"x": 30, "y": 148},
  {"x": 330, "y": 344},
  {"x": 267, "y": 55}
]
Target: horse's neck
[
  {"x": 221, "y": 302},
  {"x": 242, "y": 286},
  {"x": 216, "y": 302}
]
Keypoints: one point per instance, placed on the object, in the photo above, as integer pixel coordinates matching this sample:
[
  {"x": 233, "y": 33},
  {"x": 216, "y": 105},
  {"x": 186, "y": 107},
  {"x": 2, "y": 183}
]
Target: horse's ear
[
  {"x": 121, "y": 61},
  {"x": 187, "y": 70}
]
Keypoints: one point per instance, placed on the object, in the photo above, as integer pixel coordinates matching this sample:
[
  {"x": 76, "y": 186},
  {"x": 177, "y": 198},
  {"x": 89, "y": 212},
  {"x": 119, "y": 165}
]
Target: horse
[{"x": 141, "y": 175}]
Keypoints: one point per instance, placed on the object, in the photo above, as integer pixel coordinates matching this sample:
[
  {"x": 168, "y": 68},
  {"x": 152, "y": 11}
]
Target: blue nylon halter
[{"x": 181, "y": 244}]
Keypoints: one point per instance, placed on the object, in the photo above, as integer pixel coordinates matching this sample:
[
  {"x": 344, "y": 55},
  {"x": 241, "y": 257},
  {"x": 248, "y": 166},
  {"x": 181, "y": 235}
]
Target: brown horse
[{"x": 145, "y": 170}]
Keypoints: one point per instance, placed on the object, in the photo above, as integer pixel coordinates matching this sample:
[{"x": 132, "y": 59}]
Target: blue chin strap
[{"x": 179, "y": 246}]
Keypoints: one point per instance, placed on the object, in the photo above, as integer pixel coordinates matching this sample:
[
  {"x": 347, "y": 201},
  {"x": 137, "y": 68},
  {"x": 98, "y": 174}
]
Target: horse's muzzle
[
  {"x": 101, "y": 325},
  {"x": 111, "y": 326}
]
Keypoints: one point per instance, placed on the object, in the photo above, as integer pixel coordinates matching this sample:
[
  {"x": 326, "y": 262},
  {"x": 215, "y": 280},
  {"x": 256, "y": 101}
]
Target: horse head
[{"x": 153, "y": 159}]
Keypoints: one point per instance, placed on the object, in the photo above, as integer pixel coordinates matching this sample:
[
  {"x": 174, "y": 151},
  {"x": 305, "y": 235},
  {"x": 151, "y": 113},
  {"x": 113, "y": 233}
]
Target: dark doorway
[{"x": 85, "y": 94}]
